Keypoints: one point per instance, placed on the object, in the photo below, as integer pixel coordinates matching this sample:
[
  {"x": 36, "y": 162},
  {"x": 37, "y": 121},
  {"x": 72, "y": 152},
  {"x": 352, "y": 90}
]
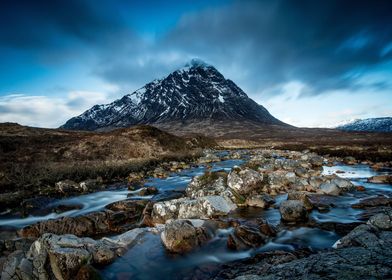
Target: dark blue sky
[{"x": 311, "y": 63}]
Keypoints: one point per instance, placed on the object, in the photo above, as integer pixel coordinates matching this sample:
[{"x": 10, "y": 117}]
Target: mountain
[
  {"x": 196, "y": 92},
  {"x": 370, "y": 125}
]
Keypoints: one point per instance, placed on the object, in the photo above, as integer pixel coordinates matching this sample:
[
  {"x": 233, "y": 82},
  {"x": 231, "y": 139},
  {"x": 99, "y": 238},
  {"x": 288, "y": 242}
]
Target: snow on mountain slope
[
  {"x": 372, "y": 124},
  {"x": 193, "y": 93}
]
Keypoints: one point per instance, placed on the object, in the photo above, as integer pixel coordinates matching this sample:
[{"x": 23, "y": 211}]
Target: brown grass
[{"x": 32, "y": 157}]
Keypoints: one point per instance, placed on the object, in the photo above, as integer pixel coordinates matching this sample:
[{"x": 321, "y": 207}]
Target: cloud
[
  {"x": 43, "y": 111},
  {"x": 263, "y": 44}
]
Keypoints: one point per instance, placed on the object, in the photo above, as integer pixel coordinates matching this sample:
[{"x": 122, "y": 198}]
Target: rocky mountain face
[
  {"x": 196, "y": 92},
  {"x": 370, "y": 125}
]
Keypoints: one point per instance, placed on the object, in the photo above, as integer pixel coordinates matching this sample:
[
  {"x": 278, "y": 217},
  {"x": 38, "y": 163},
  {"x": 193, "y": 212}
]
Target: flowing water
[{"x": 149, "y": 259}]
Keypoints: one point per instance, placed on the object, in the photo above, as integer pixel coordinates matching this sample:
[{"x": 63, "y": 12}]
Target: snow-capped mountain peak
[
  {"x": 198, "y": 91},
  {"x": 371, "y": 124}
]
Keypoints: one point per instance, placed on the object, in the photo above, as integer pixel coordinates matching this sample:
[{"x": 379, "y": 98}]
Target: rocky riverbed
[{"x": 247, "y": 214}]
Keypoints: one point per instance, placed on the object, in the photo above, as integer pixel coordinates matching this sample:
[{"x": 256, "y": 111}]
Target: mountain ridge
[
  {"x": 195, "y": 92},
  {"x": 382, "y": 124}
]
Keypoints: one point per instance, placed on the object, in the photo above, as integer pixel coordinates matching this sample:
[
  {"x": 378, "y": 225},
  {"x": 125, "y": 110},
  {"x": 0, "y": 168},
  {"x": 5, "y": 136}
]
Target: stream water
[{"x": 149, "y": 259}]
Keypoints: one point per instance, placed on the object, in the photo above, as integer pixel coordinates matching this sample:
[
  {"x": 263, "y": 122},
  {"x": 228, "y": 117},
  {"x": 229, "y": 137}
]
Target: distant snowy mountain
[
  {"x": 372, "y": 124},
  {"x": 195, "y": 92}
]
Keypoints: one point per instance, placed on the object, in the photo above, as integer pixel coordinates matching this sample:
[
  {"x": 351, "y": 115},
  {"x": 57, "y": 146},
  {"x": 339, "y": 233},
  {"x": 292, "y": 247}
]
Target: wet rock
[
  {"x": 208, "y": 158},
  {"x": 250, "y": 234},
  {"x": 382, "y": 221},
  {"x": 135, "y": 179},
  {"x": 17, "y": 266},
  {"x": 185, "y": 208},
  {"x": 159, "y": 172},
  {"x": 315, "y": 182},
  {"x": 257, "y": 265},
  {"x": 210, "y": 183},
  {"x": 205, "y": 208},
  {"x": 262, "y": 201},
  {"x": 350, "y": 160},
  {"x": 63, "y": 256},
  {"x": 316, "y": 160},
  {"x": 166, "y": 210},
  {"x": 301, "y": 172},
  {"x": 293, "y": 211},
  {"x": 91, "y": 185},
  {"x": 16, "y": 244},
  {"x": 148, "y": 191},
  {"x": 125, "y": 215},
  {"x": 181, "y": 236},
  {"x": 88, "y": 272},
  {"x": 343, "y": 184},
  {"x": 373, "y": 202},
  {"x": 245, "y": 181},
  {"x": 360, "y": 188},
  {"x": 61, "y": 208},
  {"x": 321, "y": 202},
  {"x": 380, "y": 179},
  {"x": 302, "y": 196},
  {"x": 330, "y": 189},
  {"x": 68, "y": 187},
  {"x": 103, "y": 255},
  {"x": 362, "y": 254}
]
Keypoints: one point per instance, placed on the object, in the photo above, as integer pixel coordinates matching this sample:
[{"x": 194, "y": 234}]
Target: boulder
[
  {"x": 63, "y": 256},
  {"x": 91, "y": 185},
  {"x": 380, "y": 179},
  {"x": 16, "y": 266},
  {"x": 205, "y": 208},
  {"x": 293, "y": 211},
  {"x": 245, "y": 181},
  {"x": 68, "y": 187},
  {"x": 181, "y": 236},
  {"x": 343, "y": 184},
  {"x": 382, "y": 221},
  {"x": 330, "y": 189},
  {"x": 350, "y": 160},
  {"x": 316, "y": 160},
  {"x": 260, "y": 200},
  {"x": 376, "y": 201},
  {"x": 302, "y": 196},
  {"x": 88, "y": 272},
  {"x": 210, "y": 183},
  {"x": 122, "y": 216},
  {"x": 166, "y": 210},
  {"x": 184, "y": 208}
]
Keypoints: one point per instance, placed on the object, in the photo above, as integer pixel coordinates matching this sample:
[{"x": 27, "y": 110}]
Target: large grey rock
[
  {"x": 205, "y": 208},
  {"x": 344, "y": 184},
  {"x": 330, "y": 189},
  {"x": 184, "y": 208},
  {"x": 245, "y": 181},
  {"x": 293, "y": 211},
  {"x": 210, "y": 183},
  {"x": 64, "y": 255},
  {"x": 17, "y": 266},
  {"x": 302, "y": 196},
  {"x": 259, "y": 200},
  {"x": 181, "y": 236},
  {"x": 382, "y": 221}
]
